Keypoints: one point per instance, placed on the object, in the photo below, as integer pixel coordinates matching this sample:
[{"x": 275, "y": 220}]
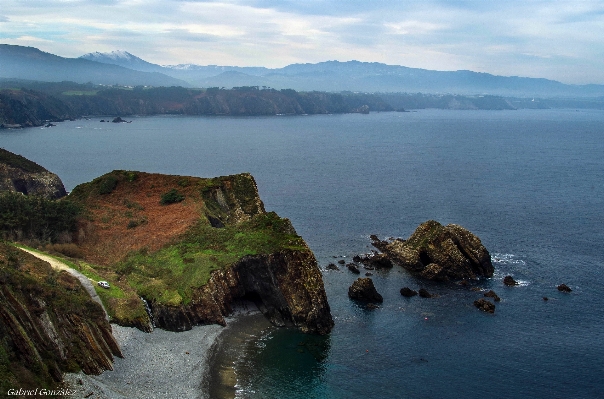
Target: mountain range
[{"x": 123, "y": 68}]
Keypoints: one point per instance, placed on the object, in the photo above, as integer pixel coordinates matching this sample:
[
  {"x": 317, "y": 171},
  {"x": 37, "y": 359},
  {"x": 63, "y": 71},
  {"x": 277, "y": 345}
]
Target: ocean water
[{"x": 529, "y": 183}]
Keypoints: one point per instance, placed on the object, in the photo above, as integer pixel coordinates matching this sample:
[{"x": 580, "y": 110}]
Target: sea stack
[{"x": 437, "y": 252}]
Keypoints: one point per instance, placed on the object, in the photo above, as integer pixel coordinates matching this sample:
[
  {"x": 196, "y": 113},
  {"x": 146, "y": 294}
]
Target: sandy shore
[{"x": 160, "y": 364}]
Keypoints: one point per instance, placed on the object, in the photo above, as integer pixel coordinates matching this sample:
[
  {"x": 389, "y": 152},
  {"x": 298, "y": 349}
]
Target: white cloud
[{"x": 540, "y": 38}]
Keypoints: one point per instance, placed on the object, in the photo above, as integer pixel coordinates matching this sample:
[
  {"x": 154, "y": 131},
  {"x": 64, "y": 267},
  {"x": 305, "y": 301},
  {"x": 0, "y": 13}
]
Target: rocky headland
[{"x": 192, "y": 248}]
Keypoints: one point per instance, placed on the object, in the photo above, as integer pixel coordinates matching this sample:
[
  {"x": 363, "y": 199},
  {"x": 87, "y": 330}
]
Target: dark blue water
[{"x": 529, "y": 183}]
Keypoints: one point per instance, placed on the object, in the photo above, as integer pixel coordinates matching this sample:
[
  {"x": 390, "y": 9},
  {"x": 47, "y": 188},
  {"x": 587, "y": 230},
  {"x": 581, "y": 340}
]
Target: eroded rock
[
  {"x": 363, "y": 290},
  {"x": 437, "y": 252}
]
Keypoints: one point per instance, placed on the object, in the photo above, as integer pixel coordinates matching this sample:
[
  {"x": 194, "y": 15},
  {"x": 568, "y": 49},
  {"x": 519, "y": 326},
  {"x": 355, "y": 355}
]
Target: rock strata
[
  {"x": 437, "y": 252},
  {"x": 363, "y": 290},
  {"x": 48, "y": 324}
]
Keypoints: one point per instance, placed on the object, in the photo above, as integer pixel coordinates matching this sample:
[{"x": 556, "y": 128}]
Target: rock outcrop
[
  {"x": 437, "y": 252},
  {"x": 18, "y": 174},
  {"x": 363, "y": 290},
  {"x": 484, "y": 305},
  {"x": 509, "y": 281},
  {"x": 408, "y": 292},
  {"x": 192, "y": 259},
  {"x": 48, "y": 324}
]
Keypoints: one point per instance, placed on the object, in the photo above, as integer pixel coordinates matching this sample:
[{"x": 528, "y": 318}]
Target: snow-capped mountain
[{"x": 124, "y": 59}]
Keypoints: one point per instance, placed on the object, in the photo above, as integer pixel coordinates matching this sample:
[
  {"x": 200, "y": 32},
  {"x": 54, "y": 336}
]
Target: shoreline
[
  {"x": 160, "y": 364},
  {"x": 221, "y": 380}
]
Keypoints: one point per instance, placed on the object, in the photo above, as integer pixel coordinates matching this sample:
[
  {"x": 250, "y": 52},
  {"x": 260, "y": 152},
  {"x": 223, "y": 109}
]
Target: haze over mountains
[{"x": 123, "y": 68}]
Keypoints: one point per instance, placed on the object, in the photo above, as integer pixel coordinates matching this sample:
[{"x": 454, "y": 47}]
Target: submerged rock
[
  {"x": 509, "y": 281},
  {"x": 484, "y": 305},
  {"x": 353, "y": 268},
  {"x": 408, "y": 292},
  {"x": 564, "y": 288},
  {"x": 423, "y": 293},
  {"x": 492, "y": 294},
  {"x": 363, "y": 290},
  {"x": 332, "y": 266},
  {"x": 437, "y": 252}
]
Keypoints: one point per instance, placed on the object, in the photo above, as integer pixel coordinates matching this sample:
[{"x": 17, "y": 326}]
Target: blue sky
[{"x": 561, "y": 40}]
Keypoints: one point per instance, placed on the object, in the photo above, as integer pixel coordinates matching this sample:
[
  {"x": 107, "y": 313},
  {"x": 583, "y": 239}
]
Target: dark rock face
[
  {"x": 408, "y": 292},
  {"x": 18, "y": 174},
  {"x": 437, "y": 252},
  {"x": 492, "y": 294},
  {"x": 286, "y": 286},
  {"x": 423, "y": 293},
  {"x": 485, "y": 305},
  {"x": 509, "y": 281},
  {"x": 363, "y": 290},
  {"x": 564, "y": 288}
]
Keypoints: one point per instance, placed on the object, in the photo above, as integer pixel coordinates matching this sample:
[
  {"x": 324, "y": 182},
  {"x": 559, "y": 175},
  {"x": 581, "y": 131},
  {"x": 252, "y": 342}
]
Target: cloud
[{"x": 538, "y": 38}]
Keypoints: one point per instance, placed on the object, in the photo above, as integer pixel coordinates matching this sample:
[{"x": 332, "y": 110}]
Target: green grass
[{"x": 170, "y": 275}]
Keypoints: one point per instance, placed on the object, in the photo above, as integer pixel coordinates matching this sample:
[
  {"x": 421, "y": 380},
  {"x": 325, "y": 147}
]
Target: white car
[{"x": 103, "y": 284}]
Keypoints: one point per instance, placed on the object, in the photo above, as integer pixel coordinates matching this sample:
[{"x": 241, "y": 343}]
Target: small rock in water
[
  {"x": 492, "y": 294},
  {"x": 564, "y": 288},
  {"x": 364, "y": 290},
  {"x": 545, "y": 298},
  {"x": 341, "y": 261},
  {"x": 509, "y": 281},
  {"x": 371, "y": 306},
  {"x": 332, "y": 266},
  {"x": 408, "y": 292},
  {"x": 485, "y": 305},
  {"x": 424, "y": 293},
  {"x": 368, "y": 274},
  {"x": 353, "y": 269}
]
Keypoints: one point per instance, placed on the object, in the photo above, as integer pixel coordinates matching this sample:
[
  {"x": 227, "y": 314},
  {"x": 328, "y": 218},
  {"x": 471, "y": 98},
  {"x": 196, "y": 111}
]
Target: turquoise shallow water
[{"x": 528, "y": 183}]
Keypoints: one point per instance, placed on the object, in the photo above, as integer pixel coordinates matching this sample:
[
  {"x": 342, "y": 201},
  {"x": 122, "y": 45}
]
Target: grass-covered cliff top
[{"x": 160, "y": 236}]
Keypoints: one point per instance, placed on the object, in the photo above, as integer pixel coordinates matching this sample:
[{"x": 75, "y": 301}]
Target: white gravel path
[{"x": 160, "y": 364}]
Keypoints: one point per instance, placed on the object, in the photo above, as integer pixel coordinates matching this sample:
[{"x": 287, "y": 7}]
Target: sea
[{"x": 529, "y": 183}]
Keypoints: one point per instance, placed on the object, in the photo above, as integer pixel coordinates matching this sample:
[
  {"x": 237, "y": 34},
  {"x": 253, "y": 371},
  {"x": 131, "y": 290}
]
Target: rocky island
[{"x": 437, "y": 252}]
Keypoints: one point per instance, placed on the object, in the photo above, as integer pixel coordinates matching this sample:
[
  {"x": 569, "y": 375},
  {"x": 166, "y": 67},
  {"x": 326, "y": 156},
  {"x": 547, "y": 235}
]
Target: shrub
[
  {"x": 171, "y": 197},
  {"x": 108, "y": 184}
]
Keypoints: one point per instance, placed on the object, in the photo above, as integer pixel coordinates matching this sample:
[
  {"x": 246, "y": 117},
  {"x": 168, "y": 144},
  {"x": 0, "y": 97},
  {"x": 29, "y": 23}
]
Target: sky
[{"x": 554, "y": 39}]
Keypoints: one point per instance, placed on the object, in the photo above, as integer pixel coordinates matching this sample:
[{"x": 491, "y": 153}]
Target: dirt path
[{"x": 58, "y": 265}]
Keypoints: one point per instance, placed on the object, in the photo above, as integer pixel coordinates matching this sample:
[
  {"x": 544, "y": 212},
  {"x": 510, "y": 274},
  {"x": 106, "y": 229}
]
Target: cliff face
[
  {"x": 193, "y": 247},
  {"x": 286, "y": 286},
  {"x": 18, "y": 174},
  {"x": 49, "y": 324}
]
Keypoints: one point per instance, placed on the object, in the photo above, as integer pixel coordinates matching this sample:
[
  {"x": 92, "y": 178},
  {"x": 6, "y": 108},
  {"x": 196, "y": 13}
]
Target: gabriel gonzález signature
[{"x": 41, "y": 392}]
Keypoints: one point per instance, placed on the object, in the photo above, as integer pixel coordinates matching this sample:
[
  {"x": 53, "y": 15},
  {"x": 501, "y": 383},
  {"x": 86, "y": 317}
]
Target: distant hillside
[
  {"x": 335, "y": 76},
  {"x": 20, "y": 62},
  {"x": 54, "y": 102}
]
